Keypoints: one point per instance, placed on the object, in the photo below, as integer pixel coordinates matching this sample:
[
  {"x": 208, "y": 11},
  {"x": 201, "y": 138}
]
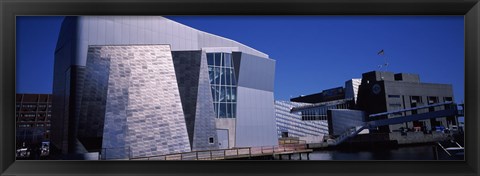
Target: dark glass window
[
  {"x": 211, "y": 74},
  {"x": 223, "y": 84},
  {"x": 234, "y": 109},
  {"x": 229, "y": 110},
  {"x": 222, "y": 97},
  {"x": 227, "y": 60},
  {"x": 432, "y": 100},
  {"x": 210, "y": 59},
  {"x": 228, "y": 76},
  {"x": 234, "y": 94},
  {"x": 448, "y": 98},
  {"x": 218, "y": 59},
  {"x": 228, "y": 94},
  {"x": 215, "y": 107},
  {"x": 222, "y": 110},
  {"x": 214, "y": 93},
  {"x": 217, "y": 76}
]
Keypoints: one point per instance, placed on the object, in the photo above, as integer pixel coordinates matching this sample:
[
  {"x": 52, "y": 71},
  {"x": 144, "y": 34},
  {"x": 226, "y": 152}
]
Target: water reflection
[{"x": 424, "y": 152}]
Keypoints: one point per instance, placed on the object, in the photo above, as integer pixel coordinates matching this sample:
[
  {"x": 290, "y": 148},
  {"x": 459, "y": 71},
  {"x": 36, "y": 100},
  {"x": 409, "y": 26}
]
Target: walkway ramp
[{"x": 450, "y": 109}]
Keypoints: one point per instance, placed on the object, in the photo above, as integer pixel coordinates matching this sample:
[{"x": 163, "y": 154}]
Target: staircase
[{"x": 351, "y": 132}]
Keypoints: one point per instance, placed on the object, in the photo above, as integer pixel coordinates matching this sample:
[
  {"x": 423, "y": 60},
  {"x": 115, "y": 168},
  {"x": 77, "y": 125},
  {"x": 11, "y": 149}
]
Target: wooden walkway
[{"x": 235, "y": 153}]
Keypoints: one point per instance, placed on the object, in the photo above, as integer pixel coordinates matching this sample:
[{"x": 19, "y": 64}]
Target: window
[
  {"x": 210, "y": 59},
  {"x": 432, "y": 100},
  {"x": 416, "y": 99},
  {"x": 223, "y": 84},
  {"x": 24, "y": 125},
  {"x": 395, "y": 105},
  {"x": 393, "y": 96},
  {"x": 210, "y": 140},
  {"x": 448, "y": 98}
]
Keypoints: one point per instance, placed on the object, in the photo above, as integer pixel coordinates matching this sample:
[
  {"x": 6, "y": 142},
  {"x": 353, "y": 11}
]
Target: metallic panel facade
[
  {"x": 193, "y": 82},
  {"x": 143, "y": 110},
  {"x": 204, "y": 114},
  {"x": 70, "y": 113},
  {"x": 109, "y": 30},
  {"x": 256, "y": 72},
  {"x": 255, "y": 125},
  {"x": 187, "y": 69}
]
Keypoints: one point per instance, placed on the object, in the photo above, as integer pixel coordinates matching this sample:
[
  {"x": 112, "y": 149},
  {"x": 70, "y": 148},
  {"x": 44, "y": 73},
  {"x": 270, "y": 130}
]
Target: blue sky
[{"x": 312, "y": 53}]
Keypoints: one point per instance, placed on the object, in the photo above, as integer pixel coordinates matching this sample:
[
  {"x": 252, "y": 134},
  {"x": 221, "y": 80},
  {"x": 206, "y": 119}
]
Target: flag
[{"x": 380, "y": 52}]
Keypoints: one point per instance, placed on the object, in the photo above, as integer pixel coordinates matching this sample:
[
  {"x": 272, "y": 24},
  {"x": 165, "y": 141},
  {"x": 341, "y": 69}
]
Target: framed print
[{"x": 156, "y": 87}]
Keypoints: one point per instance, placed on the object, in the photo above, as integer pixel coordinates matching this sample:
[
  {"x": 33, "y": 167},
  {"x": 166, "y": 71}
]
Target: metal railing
[{"x": 350, "y": 132}]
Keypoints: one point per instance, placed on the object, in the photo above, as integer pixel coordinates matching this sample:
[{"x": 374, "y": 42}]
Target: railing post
[
  {"x": 196, "y": 155},
  {"x": 211, "y": 158},
  {"x": 130, "y": 153}
]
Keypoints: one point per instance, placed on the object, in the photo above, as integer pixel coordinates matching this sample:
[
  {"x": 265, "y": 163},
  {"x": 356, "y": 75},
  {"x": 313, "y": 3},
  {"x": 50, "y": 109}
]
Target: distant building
[
  {"x": 147, "y": 86},
  {"x": 306, "y": 115},
  {"x": 351, "y": 89},
  {"x": 33, "y": 114},
  {"x": 386, "y": 91},
  {"x": 324, "y": 96},
  {"x": 376, "y": 92},
  {"x": 315, "y": 106},
  {"x": 292, "y": 125}
]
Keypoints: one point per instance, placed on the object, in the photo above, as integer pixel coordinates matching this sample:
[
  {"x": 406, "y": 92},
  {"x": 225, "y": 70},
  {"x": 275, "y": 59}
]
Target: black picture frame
[{"x": 9, "y": 9}]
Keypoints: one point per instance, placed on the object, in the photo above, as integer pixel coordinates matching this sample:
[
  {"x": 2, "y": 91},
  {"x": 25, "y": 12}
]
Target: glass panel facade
[
  {"x": 320, "y": 112},
  {"x": 223, "y": 84}
]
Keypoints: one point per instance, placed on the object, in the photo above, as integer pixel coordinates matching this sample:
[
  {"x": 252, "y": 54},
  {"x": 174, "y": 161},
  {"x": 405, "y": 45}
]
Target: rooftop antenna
[{"x": 385, "y": 65}]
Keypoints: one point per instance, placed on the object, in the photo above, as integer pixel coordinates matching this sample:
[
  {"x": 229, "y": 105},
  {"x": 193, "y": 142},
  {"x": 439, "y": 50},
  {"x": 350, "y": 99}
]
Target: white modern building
[
  {"x": 142, "y": 86},
  {"x": 291, "y": 124}
]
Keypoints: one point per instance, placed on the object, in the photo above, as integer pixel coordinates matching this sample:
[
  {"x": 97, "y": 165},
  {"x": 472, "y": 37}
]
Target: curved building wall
[{"x": 115, "y": 30}]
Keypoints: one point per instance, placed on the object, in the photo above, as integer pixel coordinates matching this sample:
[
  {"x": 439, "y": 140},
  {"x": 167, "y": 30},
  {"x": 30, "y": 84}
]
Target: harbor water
[{"x": 416, "y": 152}]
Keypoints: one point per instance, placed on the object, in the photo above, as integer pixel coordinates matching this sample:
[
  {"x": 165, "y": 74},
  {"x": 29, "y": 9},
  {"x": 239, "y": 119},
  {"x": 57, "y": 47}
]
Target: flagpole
[{"x": 386, "y": 63}]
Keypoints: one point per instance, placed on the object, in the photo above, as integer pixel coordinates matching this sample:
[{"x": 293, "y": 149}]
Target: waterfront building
[
  {"x": 349, "y": 108},
  {"x": 315, "y": 106},
  {"x": 33, "y": 114},
  {"x": 146, "y": 86},
  {"x": 306, "y": 116},
  {"x": 385, "y": 91},
  {"x": 291, "y": 124}
]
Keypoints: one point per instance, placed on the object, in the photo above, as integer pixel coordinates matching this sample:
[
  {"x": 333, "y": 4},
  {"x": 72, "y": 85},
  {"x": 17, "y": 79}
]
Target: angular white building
[{"x": 145, "y": 86}]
